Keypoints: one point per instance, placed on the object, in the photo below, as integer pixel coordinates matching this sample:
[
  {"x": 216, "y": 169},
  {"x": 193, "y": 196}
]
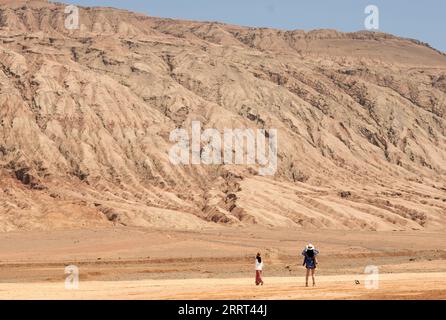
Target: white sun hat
[{"x": 309, "y": 247}]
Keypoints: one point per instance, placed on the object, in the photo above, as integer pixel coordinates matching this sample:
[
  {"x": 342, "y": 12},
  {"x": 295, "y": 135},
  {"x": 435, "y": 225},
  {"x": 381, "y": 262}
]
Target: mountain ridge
[{"x": 86, "y": 116}]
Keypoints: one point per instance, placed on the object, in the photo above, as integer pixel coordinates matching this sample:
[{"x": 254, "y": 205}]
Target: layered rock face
[{"x": 86, "y": 114}]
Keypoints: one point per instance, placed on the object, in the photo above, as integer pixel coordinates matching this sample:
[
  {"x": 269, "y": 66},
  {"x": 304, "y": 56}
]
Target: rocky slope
[{"x": 85, "y": 118}]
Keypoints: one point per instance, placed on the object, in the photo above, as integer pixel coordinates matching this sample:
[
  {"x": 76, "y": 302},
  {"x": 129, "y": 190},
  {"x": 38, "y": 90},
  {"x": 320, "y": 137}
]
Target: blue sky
[{"x": 422, "y": 20}]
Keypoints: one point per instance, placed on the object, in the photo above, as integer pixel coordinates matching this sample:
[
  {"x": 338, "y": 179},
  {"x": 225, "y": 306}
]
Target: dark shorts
[{"x": 311, "y": 268}]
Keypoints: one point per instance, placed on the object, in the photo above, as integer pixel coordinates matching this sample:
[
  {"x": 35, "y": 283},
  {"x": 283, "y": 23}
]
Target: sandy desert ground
[
  {"x": 392, "y": 286},
  {"x": 217, "y": 263}
]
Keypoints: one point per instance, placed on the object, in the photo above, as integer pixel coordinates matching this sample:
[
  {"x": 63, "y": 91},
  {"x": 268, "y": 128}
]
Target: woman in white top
[{"x": 259, "y": 268}]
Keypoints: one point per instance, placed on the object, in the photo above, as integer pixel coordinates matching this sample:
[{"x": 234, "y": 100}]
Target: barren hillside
[{"x": 85, "y": 118}]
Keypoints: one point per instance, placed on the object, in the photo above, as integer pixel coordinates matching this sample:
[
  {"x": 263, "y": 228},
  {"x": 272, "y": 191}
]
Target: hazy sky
[{"x": 423, "y": 20}]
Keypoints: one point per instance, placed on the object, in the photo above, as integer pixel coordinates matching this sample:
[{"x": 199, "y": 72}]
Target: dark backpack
[{"x": 310, "y": 253}]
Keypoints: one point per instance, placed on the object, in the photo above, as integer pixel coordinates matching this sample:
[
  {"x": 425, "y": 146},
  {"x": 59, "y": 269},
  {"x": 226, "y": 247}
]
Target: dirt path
[{"x": 391, "y": 286}]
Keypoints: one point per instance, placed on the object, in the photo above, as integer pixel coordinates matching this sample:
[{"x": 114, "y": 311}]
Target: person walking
[
  {"x": 310, "y": 262},
  {"x": 259, "y": 269}
]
